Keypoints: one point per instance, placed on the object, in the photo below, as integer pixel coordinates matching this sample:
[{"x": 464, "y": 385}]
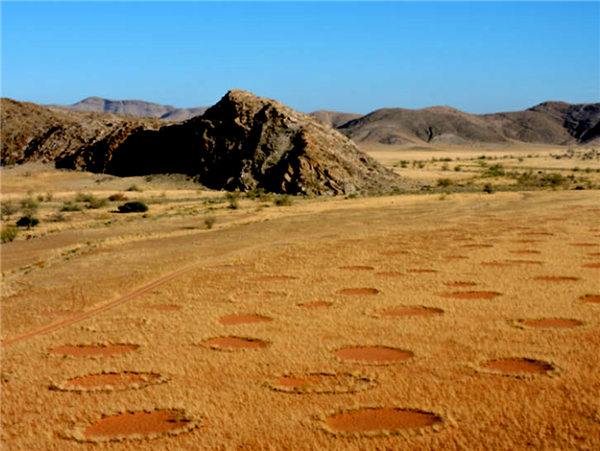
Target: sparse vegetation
[
  {"x": 488, "y": 188},
  {"x": 133, "y": 207},
  {"x": 27, "y": 222},
  {"x": 134, "y": 188},
  {"x": 70, "y": 206},
  {"x": 283, "y": 200},
  {"x": 9, "y": 233},
  {"x": 444, "y": 183},
  {"x": 95, "y": 203},
  {"x": 232, "y": 197},
  {"x": 117, "y": 197},
  {"x": 8, "y": 209},
  {"x": 29, "y": 207},
  {"x": 209, "y": 221}
]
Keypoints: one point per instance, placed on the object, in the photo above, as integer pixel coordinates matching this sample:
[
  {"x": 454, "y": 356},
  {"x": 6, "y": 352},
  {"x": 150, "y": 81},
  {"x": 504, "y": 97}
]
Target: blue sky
[{"x": 480, "y": 57}]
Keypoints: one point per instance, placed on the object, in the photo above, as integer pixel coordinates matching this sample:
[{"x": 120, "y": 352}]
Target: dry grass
[{"x": 230, "y": 394}]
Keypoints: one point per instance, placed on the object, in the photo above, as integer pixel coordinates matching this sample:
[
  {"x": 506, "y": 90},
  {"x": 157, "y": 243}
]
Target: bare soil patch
[
  {"x": 591, "y": 265},
  {"x": 163, "y": 307},
  {"x": 389, "y": 274},
  {"x": 94, "y": 350},
  {"x": 593, "y": 298},
  {"x": 273, "y": 278},
  {"x": 551, "y": 323},
  {"x": 373, "y": 354},
  {"x": 110, "y": 381},
  {"x": 139, "y": 426},
  {"x": 478, "y": 246},
  {"x": 357, "y": 268},
  {"x": 234, "y": 343},
  {"x": 584, "y": 244},
  {"x": 232, "y": 320},
  {"x": 471, "y": 295},
  {"x": 460, "y": 284},
  {"x": 517, "y": 367},
  {"x": 359, "y": 291},
  {"x": 421, "y": 271},
  {"x": 380, "y": 420},
  {"x": 316, "y": 304},
  {"x": 525, "y": 252},
  {"x": 306, "y": 383},
  {"x": 411, "y": 310}
]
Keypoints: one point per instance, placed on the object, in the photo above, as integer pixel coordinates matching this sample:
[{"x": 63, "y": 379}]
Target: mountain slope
[{"x": 333, "y": 118}]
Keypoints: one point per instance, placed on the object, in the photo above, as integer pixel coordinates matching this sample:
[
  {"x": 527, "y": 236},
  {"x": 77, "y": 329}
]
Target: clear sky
[{"x": 480, "y": 57}]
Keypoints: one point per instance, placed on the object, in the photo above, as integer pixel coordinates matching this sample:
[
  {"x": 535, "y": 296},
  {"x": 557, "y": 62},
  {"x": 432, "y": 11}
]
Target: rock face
[{"x": 243, "y": 142}]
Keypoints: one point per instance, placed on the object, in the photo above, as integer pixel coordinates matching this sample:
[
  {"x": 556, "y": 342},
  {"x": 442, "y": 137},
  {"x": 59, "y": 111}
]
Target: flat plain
[{"x": 461, "y": 315}]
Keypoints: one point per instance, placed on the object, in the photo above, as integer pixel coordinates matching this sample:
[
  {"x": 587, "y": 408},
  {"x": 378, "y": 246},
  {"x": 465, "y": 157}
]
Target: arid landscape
[{"x": 452, "y": 303}]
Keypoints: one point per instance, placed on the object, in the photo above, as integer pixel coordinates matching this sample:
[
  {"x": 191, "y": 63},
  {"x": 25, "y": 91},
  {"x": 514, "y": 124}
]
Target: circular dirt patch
[
  {"x": 591, "y": 265},
  {"x": 556, "y": 279},
  {"x": 496, "y": 264},
  {"x": 456, "y": 257},
  {"x": 317, "y": 304},
  {"x": 583, "y": 244},
  {"x": 411, "y": 310},
  {"x": 478, "y": 246},
  {"x": 389, "y": 274},
  {"x": 373, "y": 354},
  {"x": 471, "y": 295},
  {"x": 518, "y": 367},
  {"x": 593, "y": 298},
  {"x": 460, "y": 284},
  {"x": 111, "y": 381},
  {"x": 420, "y": 271},
  {"x": 93, "y": 350},
  {"x": 525, "y": 252},
  {"x": 380, "y": 420},
  {"x": 527, "y": 241},
  {"x": 234, "y": 343},
  {"x": 537, "y": 234},
  {"x": 594, "y": 254},
  {"x": 524, "y": 262},
  {"x": 232, "y": 320},
  {"x": 321, "y": 383},
  {"x": 550, "y": 323},
  {"x": 273, "y": 278},
  {"x": 358, "y": 291},
  {"x": 357, "y": 268},
  {"x": 139, "y": 426}
]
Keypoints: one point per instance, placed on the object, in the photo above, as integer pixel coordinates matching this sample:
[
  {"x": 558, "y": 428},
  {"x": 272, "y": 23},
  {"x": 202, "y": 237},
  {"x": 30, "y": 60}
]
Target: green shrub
[
  {"x": 232, "y": 197},
  {"x": 458, "y": 168},
  {"x": 28, "y": 222},
  {"x": 495, "y": 170},
  {"x": 445, "y": 167},
  {"x": 209, "y": 221},
  {"x": 70, "y": 206},
  {"x": 283, "y": 201},
  {"x": 444, "y": 183},
  {"x": 94, "y": 203},
  {"x": 117, "y": 197},
  {"x": 488, "y": 188},
  {"x": 9, "y": 233},
  {"x": 40, "y": 198},
  {"x": 133, "y": 207}
]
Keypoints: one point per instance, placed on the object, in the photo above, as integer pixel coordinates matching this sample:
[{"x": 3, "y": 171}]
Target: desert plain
[{"x": 461, "y": 313}]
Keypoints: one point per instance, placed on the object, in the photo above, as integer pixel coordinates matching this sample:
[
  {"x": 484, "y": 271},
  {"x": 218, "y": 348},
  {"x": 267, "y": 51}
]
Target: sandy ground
[{"x": 134, "y": 309}]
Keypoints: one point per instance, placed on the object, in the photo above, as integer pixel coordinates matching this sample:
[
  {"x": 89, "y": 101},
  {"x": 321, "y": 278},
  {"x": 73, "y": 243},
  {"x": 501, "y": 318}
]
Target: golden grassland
[{"x": 162, "y": 281}]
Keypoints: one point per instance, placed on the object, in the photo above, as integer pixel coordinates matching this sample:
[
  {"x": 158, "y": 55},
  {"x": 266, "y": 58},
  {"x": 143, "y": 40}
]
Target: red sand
[
  {"x": 420, "y": 271},
  {"x": 594, "y": 298},
  {"x": 380, "y": 419},
  {"x": 591, "y": 265},
  {"x": 233, "y": 320},
  {"x": 140, "y": 424},
  {"x": 525, "y": 252},
  {"x": 94, "y": 350},
  {"x": 537, "y": 234},
  {"x": 478, "y": 246},
  {"x": 527, "y": 241},
  {"x": 234, "y": 343},
  {"x": 357, "y": 268},
  {"x": 316, "y": 304},
  {"x": 524, "y": 262},
  {"x": 556, "y": 279},
  {"x": 515, "y": 367},
  {"x": 584, "y": 244},
  {"x": 118, "y": 381},
  {"x": 359, "y": 291},
  {"x": 460, "y": 284},
  {"x": 551, "y": 323},
  {"x": 471, "y": 295},
  {"x": 414, "y": 310},
  {"x": 373, "y": 354}
]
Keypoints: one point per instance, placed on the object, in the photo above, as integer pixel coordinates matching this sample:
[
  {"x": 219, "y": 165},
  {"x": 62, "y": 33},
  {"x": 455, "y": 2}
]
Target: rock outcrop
[{"x": 243, "y": 142}]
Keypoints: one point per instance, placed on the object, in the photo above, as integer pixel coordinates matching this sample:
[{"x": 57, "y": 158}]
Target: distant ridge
[
  {"x": 556, "y": 123},
  {"x": 138, "y": 108}
]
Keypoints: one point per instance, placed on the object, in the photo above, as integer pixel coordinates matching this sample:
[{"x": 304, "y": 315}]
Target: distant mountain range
[
  {"x": 557, "y": 123},
  {"x": 137, "y": 108}
]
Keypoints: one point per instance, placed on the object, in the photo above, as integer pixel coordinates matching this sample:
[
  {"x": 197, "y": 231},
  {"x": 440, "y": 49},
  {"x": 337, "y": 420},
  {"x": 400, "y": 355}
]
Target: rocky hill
[
  {"x": 138, "y": 108},
  {"x": 556, "y": 123},
  {"x": 31, "y": 132},
  {"x": 243, "y": 142},
  {"x": 333, "y": 118}
]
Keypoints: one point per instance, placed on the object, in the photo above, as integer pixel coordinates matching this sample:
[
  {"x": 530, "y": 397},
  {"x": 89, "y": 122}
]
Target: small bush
[
  {"x": 133, "y": 207},
  {"x": 28, "y": 222},
  {"x": 83, "y": 197},
  {"x": 95, "y": 203},
  {"x": 134, "y": 188},
  {"x": 495, "y": 170},
  {"x": 232, "y": 198},
  {"x": 70, "y": 206},
  {"x": 29, "y": 206},
  {"x": 445, "y": 167},
  {"x": 117, "y": 197},
  {"x": 9, "y": 233},
  {"x": 283, "y": 201},
  {"x": 488, "y": 188},
  {"x": 444, "y": 183},
  {"x": 40, "y": 198},
  {"x": 49, "y": 197},
  {"x": 8, "y": 209},
  {"x": 209, "y": 221},
  {"x": 458, "y": 168}
]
